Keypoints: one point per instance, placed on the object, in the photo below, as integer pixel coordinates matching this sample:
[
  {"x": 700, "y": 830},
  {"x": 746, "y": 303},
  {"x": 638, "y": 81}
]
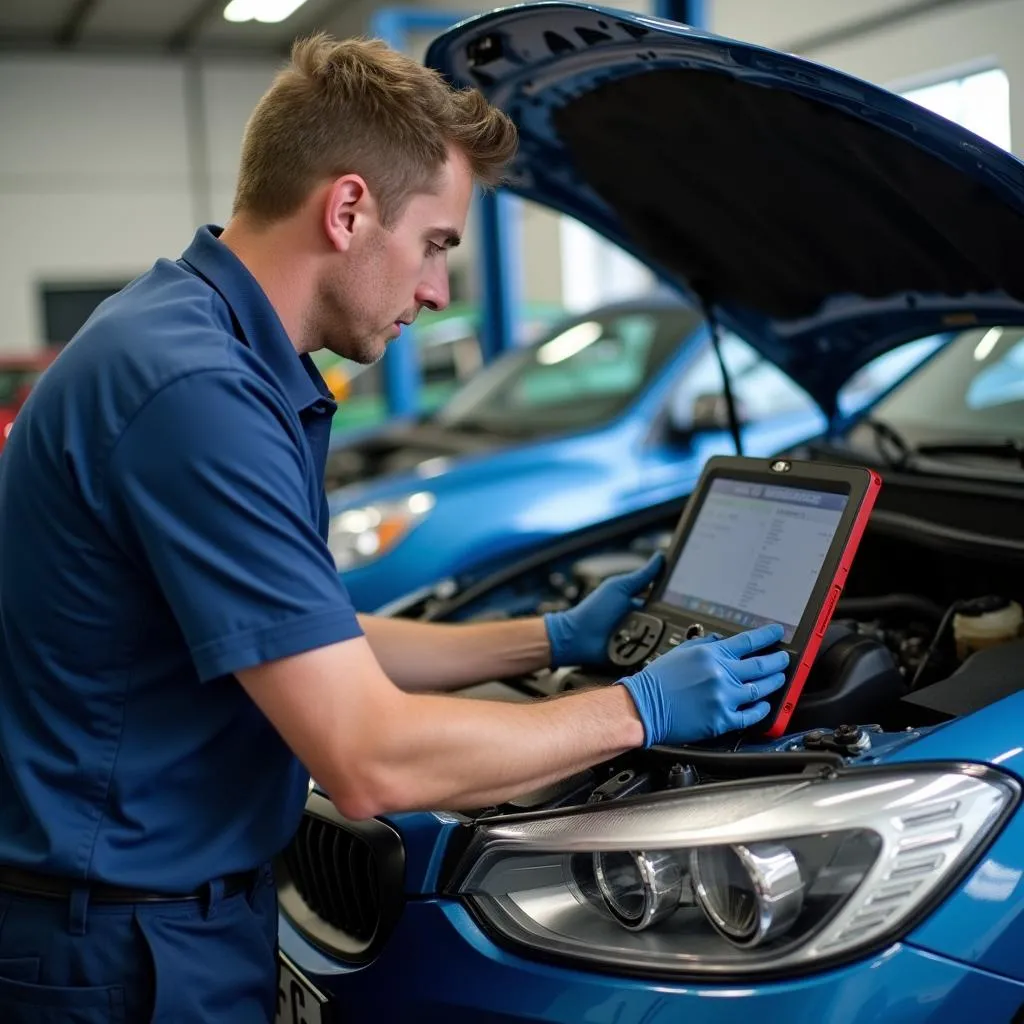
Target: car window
[
  {"x": 883, "y": 372},
  {"x": 579, "y": 376},
  {"x": 974, "y": 386},
  {"x": 1000, "y": 383},
  {"x": 760, "y": 388},
  {"x": 592, "y": 359}
]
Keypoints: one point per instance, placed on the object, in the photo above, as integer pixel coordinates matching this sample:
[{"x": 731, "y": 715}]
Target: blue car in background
[
  {"x": 607, "y": 412},
  {"x": 868, "y": 866}
]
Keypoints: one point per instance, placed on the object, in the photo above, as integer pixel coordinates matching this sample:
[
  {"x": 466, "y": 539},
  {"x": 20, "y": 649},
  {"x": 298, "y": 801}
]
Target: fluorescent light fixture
[
  {"x": 267, "y": 11},
  {"x": 569, "y": 342},
  {"x": 987, "y": 343}
]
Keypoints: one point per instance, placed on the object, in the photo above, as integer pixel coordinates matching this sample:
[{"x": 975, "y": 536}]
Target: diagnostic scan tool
[{"x": 761, "y": 541}]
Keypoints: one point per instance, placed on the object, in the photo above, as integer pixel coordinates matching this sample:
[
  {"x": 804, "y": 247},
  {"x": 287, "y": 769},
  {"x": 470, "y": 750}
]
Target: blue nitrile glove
[
  {"x": 707, "y": 687},
  {"x": 580, "y": 635}
]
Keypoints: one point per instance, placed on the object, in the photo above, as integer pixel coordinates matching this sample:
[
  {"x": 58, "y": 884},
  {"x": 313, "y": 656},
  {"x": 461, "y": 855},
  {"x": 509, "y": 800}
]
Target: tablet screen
[{"x": 754, "y": 553}]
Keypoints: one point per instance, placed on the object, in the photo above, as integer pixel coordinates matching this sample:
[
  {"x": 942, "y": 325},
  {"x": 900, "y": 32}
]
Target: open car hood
[{"x": 821, "y": 217}]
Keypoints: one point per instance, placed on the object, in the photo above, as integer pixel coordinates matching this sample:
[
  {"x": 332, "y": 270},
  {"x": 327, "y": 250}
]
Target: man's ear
[{"x": 347, "y": 203}]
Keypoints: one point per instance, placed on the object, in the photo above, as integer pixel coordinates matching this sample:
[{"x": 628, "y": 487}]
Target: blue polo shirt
[{"x": 162, "y": 526}]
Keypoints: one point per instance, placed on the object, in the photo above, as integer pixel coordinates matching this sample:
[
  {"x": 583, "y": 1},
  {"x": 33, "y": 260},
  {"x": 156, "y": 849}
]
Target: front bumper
[{"x": 439, "y": 966}]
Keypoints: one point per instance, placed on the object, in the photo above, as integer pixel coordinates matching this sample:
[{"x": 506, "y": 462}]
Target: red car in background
[{"x": 18, "y": 375}]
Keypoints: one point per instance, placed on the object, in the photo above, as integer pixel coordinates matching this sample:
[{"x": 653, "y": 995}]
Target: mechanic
[{"x": 178, "y": 653}]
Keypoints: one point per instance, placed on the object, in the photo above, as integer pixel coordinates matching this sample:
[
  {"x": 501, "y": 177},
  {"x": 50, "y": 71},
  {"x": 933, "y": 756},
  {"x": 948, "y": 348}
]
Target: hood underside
[{"x": 825, "y": 219}]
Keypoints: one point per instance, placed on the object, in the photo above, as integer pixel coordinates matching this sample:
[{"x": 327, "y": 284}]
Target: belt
[{"x": 31, "y": 883}]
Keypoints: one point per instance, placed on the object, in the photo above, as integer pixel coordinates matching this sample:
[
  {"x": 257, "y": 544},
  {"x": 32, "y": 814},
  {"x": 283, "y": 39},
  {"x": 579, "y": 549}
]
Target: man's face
[{"x": 389, "y": 274}]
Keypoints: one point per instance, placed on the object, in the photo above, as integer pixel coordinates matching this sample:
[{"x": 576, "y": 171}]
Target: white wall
[
  {"x": 101, "y": 171},
  {"x": 926, "y": 48},
  {"x": 108, "y": 164}
]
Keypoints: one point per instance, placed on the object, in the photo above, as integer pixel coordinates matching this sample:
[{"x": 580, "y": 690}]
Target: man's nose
[{"x": 433, "y": 291}]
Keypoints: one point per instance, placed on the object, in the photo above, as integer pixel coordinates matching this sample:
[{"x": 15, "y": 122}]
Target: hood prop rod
[{"x": 730, "y": 401}]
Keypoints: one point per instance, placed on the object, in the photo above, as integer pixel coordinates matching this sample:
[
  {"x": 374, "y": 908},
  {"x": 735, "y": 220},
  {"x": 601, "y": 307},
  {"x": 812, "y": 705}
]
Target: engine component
[
  {"x": 626, "y": 783},
  {"x": 589, "y": 573},
  {"x": 680, "y": 776},
  {"x": 848, "y": 740},
  {"x": 984, "y": 622},
  {"x": 985, "y": 677},
  {"x": 889, "y": 607},
  {"x": 854, "y": 676}
]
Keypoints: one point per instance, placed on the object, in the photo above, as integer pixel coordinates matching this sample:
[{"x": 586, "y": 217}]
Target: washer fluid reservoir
[{"x": 985, "y": 622}]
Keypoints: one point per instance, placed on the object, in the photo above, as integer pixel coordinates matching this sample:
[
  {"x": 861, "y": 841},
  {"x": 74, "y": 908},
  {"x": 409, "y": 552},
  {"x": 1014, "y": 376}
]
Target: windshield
[
  {"x": 973, "y": 388},
  {"x": 580, "y": 376}
]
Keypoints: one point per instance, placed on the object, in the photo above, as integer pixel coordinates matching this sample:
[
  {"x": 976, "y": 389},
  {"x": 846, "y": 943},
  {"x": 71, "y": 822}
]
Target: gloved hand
[
  {"x": 707, "y": 687},
  {"x": 580, "y": 635}
]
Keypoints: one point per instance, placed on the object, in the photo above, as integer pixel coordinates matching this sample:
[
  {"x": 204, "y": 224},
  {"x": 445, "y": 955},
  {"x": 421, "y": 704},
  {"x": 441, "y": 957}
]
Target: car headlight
[
  {"x": 735, "y": 878},
  {"x": 359, "y": 535}
]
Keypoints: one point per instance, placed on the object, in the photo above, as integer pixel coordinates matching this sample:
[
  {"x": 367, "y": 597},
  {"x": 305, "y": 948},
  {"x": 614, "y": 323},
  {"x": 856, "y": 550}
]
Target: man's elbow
[{"x": 365, "y": 793}]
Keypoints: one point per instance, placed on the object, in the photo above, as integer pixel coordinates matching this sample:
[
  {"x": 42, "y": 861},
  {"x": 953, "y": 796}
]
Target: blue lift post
[
  {"x": 499, "y": 241},
  {"x": 687, "y": 12}
]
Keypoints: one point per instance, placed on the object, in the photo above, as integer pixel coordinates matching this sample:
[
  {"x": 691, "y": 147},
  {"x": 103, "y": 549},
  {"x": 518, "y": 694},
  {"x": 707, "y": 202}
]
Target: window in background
[
  {"x": 595, "y": 272},
  {"x": 979, "y": 102},
  {"x": 67, "y": 306}
]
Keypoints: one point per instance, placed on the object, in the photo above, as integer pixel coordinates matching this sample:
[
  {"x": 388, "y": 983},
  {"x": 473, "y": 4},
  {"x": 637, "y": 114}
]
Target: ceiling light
[
  {"x": 569, "y": 342},
  {"x": 987, "y": 343},
  {"x": 267, "y": 11}
]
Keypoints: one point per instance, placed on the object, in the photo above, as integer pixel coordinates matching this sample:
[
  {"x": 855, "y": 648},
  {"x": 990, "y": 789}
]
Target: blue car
[
  {"x": 609, "y": 410},
  {"x": 869, "y": 865},
  {"x": 605, "y": 411}
]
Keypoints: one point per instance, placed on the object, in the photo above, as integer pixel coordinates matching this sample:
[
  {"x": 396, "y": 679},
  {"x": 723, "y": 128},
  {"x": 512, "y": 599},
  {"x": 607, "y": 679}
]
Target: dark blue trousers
[{"x": 69, "y": 961}]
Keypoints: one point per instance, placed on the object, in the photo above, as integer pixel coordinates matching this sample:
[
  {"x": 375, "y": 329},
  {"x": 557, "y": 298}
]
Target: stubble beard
[{"x": 336, "y": 326}]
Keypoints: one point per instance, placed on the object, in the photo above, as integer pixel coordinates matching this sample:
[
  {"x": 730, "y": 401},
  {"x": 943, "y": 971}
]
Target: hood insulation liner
[{"x": 791, "y": 203}]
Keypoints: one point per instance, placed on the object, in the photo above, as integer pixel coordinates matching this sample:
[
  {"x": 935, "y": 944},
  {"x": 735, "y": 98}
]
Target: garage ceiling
[
  {"x": 148, "y": 26},
  {"x": 174, "y": 26}
]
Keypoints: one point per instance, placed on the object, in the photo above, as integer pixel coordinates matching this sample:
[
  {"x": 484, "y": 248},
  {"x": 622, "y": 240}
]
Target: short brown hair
[{"x": 358, "y": 107}]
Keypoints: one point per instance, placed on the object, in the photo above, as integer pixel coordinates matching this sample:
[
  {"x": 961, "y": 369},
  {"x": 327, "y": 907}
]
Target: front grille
[
  {"x": 341, "y": 882},
  {"x": 334, "y": 873}
]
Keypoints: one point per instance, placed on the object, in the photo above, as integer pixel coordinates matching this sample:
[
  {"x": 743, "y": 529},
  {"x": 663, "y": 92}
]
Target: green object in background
[{"x": 449, "y": 354}]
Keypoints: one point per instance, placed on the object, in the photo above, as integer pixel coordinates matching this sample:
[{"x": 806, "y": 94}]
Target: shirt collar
[{"x": 256, "y": 321}]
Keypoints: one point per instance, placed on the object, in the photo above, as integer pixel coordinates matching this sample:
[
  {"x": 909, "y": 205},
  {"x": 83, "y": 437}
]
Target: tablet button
[{"x": 830, "y": 604}]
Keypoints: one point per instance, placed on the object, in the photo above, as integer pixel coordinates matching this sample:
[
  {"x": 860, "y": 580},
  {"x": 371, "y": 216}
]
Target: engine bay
[{"x": 929, "y": 628}]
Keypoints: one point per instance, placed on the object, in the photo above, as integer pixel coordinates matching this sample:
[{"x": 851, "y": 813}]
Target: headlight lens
[
  {"x": 735, "y": 878},
  {"x": 359, "y": 535},
  {"x": 639, "y": 889},
  {"x": 750, "y": 893}
]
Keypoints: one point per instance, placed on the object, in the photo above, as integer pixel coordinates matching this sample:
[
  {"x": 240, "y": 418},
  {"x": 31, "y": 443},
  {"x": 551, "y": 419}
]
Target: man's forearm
[
  {"x": 456, "y": 755},
  {"x": 420, "y": 656},
  {"x": 375, "y": 748}
]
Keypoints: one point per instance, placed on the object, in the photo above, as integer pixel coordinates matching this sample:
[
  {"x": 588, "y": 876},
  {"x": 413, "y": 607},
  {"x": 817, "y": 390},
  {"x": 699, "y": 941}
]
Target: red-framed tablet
[{"x": 760, "y": 541}]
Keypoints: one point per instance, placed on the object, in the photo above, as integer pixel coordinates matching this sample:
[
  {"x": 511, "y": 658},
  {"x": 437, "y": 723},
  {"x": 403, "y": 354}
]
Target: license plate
[{"x": 298, "y": 1002}]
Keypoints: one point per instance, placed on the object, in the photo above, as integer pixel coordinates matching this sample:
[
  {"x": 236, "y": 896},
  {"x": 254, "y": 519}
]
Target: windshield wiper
[
  {"x": 900, "y": 454},
  {"x": 1007, "y": 448},
  {"x": 471, "y": 426},
  {"x": 887, "y": 434},
  {"x": 485, "y": 428}
]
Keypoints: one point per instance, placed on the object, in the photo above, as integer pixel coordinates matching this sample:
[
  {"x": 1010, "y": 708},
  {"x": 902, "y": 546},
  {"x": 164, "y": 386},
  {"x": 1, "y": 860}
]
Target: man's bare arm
[
  {"x": 375, "y": 748},
  {"x": 443, "y": 656}
]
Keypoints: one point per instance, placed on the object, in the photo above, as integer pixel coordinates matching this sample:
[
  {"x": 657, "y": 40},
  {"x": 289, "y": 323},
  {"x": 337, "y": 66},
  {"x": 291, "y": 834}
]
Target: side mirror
[
  {"x": 709, "y": 413},
  {"x": 705, "y": 413}
]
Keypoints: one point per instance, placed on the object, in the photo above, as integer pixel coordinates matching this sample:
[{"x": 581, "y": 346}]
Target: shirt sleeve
[{"x": 213, "y": 483}]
